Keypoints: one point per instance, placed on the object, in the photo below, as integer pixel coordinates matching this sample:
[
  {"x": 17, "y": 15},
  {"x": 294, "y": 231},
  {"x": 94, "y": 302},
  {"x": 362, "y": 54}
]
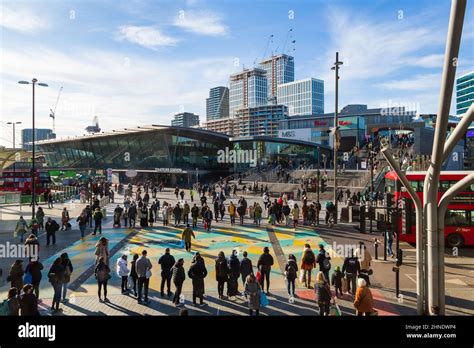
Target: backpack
[
  {"x": 4, "y": 308},
  {"x": 291, "y": 271},
  {"x": 309, "y": 258},
  {"x": 326, "y": 264}
]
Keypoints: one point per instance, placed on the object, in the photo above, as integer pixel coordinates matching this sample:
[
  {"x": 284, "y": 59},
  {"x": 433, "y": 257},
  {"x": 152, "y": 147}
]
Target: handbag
[
  {"x": 148, "y": 274},
  {"x": 258, "y": 276},
  {"x": 27, "y": 278},
  {"x": 345, "y": 285},
  {"x": 334, "y": 309},
  {"x": 302, "y": 276},
  {"x": 263, "y": 299}
]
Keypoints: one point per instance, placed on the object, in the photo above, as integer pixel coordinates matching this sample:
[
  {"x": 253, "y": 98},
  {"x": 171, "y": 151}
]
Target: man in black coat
[
  {"x": 264, "y": 265},
  {"x": 351, "y": 268},
  {"x": 51, "y": 227},
  {"x": 166, "y": 261},
  {"x": 246, "y": 267},
  {"x": 179, "y": 276}
]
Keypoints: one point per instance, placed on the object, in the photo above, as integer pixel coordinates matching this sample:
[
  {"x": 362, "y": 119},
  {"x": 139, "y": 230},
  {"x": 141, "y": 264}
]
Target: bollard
[
  {"x": 385, "y": 246},
  {"x": 376, "y": 247},
  {"x": 396, "y": 269}
]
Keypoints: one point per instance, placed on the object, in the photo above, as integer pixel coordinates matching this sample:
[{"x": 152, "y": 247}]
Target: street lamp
[
  {"x": 337, "y": 63},
  {"x": 14, "y": 146},
  {"x": 33, "y": 82}
]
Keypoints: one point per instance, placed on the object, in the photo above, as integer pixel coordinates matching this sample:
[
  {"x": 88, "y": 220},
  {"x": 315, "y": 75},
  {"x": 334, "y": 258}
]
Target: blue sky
[{"x": 139, "y": 62}]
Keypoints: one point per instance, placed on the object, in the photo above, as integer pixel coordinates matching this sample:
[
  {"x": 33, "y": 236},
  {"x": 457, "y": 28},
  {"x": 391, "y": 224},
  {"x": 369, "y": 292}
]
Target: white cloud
[
  {"x": 21, "y": 19},
  {"x": 201, "y": 22},
  {"x": 429, "y": 61},
  {"x": 122, "y": 91},
  {"x": 149, "y": 37},
  {"x": 418, "y": 83}
]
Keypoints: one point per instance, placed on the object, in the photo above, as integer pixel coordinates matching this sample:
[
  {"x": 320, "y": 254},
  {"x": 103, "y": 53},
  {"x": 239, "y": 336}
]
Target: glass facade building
[
  {"x": 217, "y": 105},
  {"x": 247, "y": 89},
  {"x": 40, "y": 134},
  {"x": 279, "y": 69},
  {"x": 303, "y": 97},
  {"x": 262, "y": 120},
  {"x": 464, "y": 92},
  {"x": 185, "y": 119}
]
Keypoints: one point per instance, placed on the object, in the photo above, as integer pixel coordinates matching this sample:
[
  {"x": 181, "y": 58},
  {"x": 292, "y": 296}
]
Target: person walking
[
  {"x": 308, "y": 262},
  {"x": 40, "y": 218},
  {"x": 291, "y": 273},
  {"x": 258, "y": 214},
  {"x": 364, "y": 257},
  {"x": 51, "y": 228},
  {"x": 234, "y": 267},
  {"x": 178, "y": 275},
  {"x": 197, "y": 272},
  {"x": 336, "y": 280},
  {"x": 13, "y": 302},
  {"x": 56, "y": 276},
  {"x": 232, "y": 211},
  {"x": 264, "y": 265},
  {"x": 102, "y": 250},
  {"x": 123, "y": 272},
  {"x": 166, "y": 262},
  {"x": 102, "y": 275},
  {"x": 222, "y": 273},
  {"x": 186, "y": 211},
  {"x": 246, "y": 267},
  {"x": 195, "y": 215},
  {"x": 15, "y": 277},
  {"x": 363, "y": 301},
  {"x": 323, "y": 260},
  {"x": 177, "y": 215},
  {"x": 143, "y": 267},
  {"x": 34, "y": 268},
  {"x": 295, "y": 213},
  {"x": 133, "y": 273},
  {"x": 323, "y": 294},
  {"x": 21, "y": 228},
  {"x": 186, "y": 236},
  {"x": 28, "y": 302},
  {"x": 97, "y": 221},
  {"x": 82, "y": 222},
  {"x": 64, "y": 219},
  {"x": 351, "y": 269},
  {"x": 252, "y": 292},
  {"x": 208, "y": 219}
]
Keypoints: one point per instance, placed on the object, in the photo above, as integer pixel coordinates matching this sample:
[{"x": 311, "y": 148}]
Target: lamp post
[
  {"x": 14, "y": 147},
  {"x": 336, "y": 133},
  {"x": 33, "y": 82}
]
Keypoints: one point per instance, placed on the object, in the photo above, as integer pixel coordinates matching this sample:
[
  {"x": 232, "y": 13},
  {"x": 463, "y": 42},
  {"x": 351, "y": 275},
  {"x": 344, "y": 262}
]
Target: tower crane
[{"x": 53, "y": 112}]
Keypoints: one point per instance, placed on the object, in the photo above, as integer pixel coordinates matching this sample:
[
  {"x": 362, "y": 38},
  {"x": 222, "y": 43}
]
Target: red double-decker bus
[
  {"x": 19, "y": 180},
  {"x": 459, "y": 219}
]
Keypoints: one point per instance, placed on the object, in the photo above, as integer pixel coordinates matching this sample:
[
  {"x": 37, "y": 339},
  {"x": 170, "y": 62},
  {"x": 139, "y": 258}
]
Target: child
[{"x": 336, "y": 280}]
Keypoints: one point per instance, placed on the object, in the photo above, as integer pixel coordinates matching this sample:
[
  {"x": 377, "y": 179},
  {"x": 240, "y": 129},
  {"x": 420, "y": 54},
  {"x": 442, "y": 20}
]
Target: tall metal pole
[
  {"x": 430, "y": 194},
  {"x": 336, "y": 133},
  {"x": 33, "y": 184},
  {"x": 371, "y": 157}
]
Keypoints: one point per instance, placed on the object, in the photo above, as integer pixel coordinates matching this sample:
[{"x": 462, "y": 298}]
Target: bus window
[
  {"x": 444, "y": 185},
  {"x": 421, "y": 183},
  {"x": 414, "y": 185},
  {"x": 456, "y": 218}
]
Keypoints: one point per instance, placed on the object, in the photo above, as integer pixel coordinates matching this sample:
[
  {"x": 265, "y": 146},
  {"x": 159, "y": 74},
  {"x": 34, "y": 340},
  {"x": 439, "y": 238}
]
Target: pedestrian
[
  {"x": 194, "y": 214},
  {"x": 102, "y": 275},
  {"x": 21, "y": 228},
  {"x": 15, "y": 277},
  {"x": 308, "y": 262},
  {"x": 246, "y": 267},
  {"x": 208, "y": 219},
  {"x": 55, "y": 276},
  {"x": 258, "y": 214},
  {"x": 232, "y": 211},
  {"x": 123, "y": 272},
  {"x": 97, "y": 221},
  {"x": 178, "y": 276},
  {"x": 291, "y": 273},
  {"x": 186, "y": 236},
  {"x": 363, "y": 301},
  {"x": 28, "y": 302},
  {"x": 286, "y": 213},
  {"x": 323, "y": 294},
  {"x": 295, "y": 213},
  {"x": 133, "y": 273},
  {"x": 323, "y": 260},
  {"x": 351, "y": 269},
  {"x": 222, "y": 273},
  {"x": 234, "y": 274},
  {"x": 252, "y": 292},
  {"x": 177, "y": 215},
  {"x": 364, "y": 257},
  {"x": 13, "y": 302},
  {"x": 50, "y": 200},
  {"x": 34, "y": 268},
  {"x": 40, "y": 218},
  {"x": 102, "y": 250},
  {"x": 167, "y": 262},
  {"x": 143, "y": 267},
  {"x": 264, "y": 265},
  {"x": 336, "y": 280},
  {"x": 144, "y": 216},
  {"x": 132, "y": 215},
  {"x": 197, "y": 272},
  {"x": 186, "y": 210},
  {"x": 51, "y": 228},
  {"x": 82, "y": 222},
  {"x": 64, "y": 220}
]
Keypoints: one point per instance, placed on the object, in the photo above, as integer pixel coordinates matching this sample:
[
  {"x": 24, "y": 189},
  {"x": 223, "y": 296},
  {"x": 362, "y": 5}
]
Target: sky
[{"x": 137, "y": 62}]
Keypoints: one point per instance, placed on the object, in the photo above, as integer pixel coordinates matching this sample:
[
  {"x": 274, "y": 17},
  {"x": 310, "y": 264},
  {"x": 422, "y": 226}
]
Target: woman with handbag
[
  {"x": 56, "y": 275},
  {"x": 363, "y": 301},
  {"x": 323, "y": 294},
  {"x": 252, "y": 292},
  {"x": 66, "y": 263},
  {"x": 102, "y": 274}
]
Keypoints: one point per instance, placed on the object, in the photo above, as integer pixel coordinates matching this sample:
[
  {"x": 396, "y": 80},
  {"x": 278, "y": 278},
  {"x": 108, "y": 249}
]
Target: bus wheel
[{"x": 455, "y": 240}]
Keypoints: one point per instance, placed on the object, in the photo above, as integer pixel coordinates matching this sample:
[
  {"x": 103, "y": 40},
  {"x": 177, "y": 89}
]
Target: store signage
[
  {"x": 345, "y": 123},
  {"x": 320, "y": 123},
  {"x": 131, "y": 173},
  {"x": 300, "y": 134},
  {"x": 169, "y": 170}
]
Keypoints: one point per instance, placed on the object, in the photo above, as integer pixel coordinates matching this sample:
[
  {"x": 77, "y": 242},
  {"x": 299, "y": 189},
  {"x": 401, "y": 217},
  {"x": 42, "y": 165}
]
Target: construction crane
[
  {"x": 288, "y": 35},
  {"x": 53, "y": 112}
]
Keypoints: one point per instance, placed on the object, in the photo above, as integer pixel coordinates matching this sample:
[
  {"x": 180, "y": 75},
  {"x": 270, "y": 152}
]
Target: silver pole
[{"x": 430, "y": 193}]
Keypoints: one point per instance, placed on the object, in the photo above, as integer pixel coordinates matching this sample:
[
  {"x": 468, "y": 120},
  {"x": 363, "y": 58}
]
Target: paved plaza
[{"x": 282, "y": 241}]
